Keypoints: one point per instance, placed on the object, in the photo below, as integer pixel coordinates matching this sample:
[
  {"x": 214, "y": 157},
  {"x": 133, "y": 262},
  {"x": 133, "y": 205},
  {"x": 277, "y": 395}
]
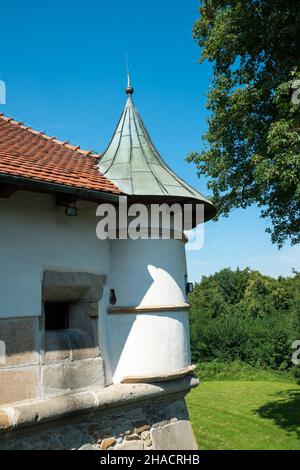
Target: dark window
[{"x": 56, "y": 315}]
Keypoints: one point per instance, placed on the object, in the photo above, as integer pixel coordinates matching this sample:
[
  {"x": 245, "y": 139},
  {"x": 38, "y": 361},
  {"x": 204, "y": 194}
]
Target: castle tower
[{"x": 148, "y": 328}]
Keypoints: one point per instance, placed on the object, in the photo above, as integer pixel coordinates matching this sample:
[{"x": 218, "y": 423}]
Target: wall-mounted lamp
[
  {"x": 112, "y": 297},
  {"x": 71, "y": 211},
  {"x": 189, "y": 287}
]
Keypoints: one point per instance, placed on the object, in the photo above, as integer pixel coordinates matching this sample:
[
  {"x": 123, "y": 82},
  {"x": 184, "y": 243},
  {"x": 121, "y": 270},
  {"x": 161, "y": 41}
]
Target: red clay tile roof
[{"x": 36, "y": 156}]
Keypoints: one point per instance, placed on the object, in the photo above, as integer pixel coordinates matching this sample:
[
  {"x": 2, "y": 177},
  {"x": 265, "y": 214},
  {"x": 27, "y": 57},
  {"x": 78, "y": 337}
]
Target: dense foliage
[
  {"x": 245, "y": 316},
  {"x": 253, "y": 140}
]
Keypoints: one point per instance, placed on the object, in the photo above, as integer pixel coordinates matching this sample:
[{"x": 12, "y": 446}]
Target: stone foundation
[{"x": 122, "y": 417}]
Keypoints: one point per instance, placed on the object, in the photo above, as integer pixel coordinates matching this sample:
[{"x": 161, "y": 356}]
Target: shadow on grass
[{"x": 284, "y": 411}]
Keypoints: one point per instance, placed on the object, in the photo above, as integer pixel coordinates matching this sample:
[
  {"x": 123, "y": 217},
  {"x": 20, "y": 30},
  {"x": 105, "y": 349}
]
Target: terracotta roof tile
[{"x": 31, "y": 154}]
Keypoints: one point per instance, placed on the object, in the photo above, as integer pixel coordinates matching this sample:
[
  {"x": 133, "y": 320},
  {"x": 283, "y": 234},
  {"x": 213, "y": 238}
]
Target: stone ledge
[
  {"x": 148, "y": 309},
  {"x": 72, "y": 286},
  {"x": 25, "y": 414},
  {"x": 162, "y": 377}
]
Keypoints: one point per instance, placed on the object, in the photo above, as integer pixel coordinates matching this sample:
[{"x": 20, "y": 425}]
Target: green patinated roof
[{"x": 132, "y": 162}]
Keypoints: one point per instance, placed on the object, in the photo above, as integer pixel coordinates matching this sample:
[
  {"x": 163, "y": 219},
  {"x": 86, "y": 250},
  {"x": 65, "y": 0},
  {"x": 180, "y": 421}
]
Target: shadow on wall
[
  {"x": 164, "y": 290},
  {"x": 284, "y": 412}
]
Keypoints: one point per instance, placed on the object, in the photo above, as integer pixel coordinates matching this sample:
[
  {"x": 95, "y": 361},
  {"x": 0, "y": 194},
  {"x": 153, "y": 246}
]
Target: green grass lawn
[{"x": 246, "y": 415}]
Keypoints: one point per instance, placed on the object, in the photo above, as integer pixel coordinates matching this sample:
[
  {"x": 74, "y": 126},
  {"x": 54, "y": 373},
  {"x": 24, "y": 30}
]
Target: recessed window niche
[
  {"x": 56, "y": 315},
  {"x": 71, "y": 355}
]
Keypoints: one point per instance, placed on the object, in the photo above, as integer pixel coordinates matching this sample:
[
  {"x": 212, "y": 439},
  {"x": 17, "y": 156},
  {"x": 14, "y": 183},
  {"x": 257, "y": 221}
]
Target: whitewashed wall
[
  {"x": 148, "y": 344},
  {"x": 158, "y": 275},
  {"x": 35, "y": 236},
  {"x": 151, "y": 343}
]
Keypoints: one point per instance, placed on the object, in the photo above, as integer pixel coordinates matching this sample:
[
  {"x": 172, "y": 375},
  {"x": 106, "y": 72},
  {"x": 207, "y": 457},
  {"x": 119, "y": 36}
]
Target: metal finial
[{"x": 129, "y": 89}]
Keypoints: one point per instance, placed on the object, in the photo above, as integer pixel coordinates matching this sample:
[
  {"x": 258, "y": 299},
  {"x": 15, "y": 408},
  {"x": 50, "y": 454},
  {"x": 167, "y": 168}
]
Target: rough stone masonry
[{"x": 158, "y": 422}]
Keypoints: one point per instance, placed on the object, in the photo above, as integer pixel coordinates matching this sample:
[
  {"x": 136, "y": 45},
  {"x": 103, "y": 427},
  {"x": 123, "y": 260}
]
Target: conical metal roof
[{"x": 132, "y": 162}]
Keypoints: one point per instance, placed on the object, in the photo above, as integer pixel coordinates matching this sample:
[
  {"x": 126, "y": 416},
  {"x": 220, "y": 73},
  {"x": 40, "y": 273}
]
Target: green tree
[
  {"x": 245, "y": 315},
  {"x": 252, "y": 152}
]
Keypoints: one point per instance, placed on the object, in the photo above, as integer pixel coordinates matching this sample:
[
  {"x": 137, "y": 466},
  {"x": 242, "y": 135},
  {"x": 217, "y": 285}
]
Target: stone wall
[
  {"x": 71, "y": 358},
  {"x": 20, "y": 369},
  {"x": 162, "y": 424},
  {"x": 39, "y": 363}
]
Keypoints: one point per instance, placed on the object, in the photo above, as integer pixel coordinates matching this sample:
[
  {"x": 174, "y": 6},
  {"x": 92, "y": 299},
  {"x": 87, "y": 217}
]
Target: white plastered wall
[{"x": 37, "y": 236}]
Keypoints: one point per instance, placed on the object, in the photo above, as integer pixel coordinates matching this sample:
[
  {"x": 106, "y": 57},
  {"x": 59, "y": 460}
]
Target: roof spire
[
  {"x": 132, "y": 162},
  {"x": 129, "y": 89}
]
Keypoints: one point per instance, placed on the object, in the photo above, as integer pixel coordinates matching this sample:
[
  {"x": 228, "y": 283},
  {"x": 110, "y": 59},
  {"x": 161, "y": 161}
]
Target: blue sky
[{"x": 64, "y": 68}]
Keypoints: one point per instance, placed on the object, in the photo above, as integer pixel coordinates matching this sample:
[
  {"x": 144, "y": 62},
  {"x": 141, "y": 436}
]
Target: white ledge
[{"x": 29, "y": 413}]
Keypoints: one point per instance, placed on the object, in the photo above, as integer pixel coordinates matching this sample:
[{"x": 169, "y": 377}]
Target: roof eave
[
  {"x": 210, "y": 210},
  {"x": 29, "y": 184}
]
